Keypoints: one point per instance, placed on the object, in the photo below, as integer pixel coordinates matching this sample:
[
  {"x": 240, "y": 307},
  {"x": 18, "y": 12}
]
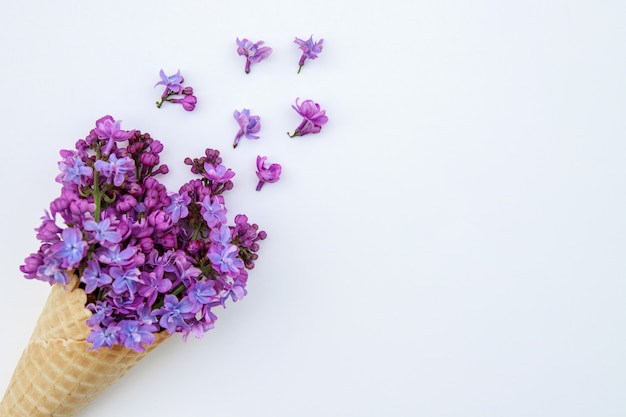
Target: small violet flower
[
  {"x": 174, "y": 86},
  {"x": 313, "y": 118},
  {"x": 71, "y": 249},
  {"x": 309, "y": 49},
  {"x": 253, "y": 52},
  {"x": 108, "y": 129},
  {"x": 247, "y": 125},
  {"x": 265, "y": 172}
]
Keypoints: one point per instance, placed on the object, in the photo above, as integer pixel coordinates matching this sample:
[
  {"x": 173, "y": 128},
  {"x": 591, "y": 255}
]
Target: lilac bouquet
[{"x": 150, "y": 261}]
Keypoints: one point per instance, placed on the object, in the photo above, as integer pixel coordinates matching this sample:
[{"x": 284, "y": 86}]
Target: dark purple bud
[
  {"x": 149, "y": 159},
  {"x": 146, "y": 244},
  {"x": 188, "y": 91},
  {"x": 168, "y": 241}
]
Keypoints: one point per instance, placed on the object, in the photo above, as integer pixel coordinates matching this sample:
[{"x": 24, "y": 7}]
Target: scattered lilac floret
[
  {"x": 313, "y": 118},
  {"x": 266, "y": 172},
  {"x": 174, "y": 89},
  {"x": 310, "y": 50},
  {"x": 253, "y": 51},
  {"x": 248, "y": 125}
]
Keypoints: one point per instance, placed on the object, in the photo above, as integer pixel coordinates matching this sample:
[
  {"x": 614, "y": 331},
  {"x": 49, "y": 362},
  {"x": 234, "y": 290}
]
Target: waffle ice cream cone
[{"x": 57, "y": 375}]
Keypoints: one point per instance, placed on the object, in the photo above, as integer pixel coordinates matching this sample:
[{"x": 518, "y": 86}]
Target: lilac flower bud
[
  {"x": 146, "y": 244},
  {"x": 48, "y": 231},
  {"x": 188, "y": 91},
  {"x": 31, "y": 265},
  {"x": 149, "y": 159},
  {"x": 156, "y": 146},
  {"x": 168, "y": 241},
  {"x": 126, "y": 203},
  {"x": 160, "y": 220},
  {"x": 188, "y": 102}
]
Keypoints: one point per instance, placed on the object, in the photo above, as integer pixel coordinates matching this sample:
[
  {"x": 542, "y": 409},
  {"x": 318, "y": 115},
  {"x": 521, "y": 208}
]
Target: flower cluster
[
  {"x": 149, "y": 260},
  {"x": 175, "y": 92}
]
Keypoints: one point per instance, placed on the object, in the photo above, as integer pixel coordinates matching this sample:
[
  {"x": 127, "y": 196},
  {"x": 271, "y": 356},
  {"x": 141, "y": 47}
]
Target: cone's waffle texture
[{"x": 57, "y": 375}]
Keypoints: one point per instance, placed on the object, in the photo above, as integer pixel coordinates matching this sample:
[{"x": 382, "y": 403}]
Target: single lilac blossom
[
  {"x": 265, "y": 172},
  {"x": 134, "y": 334},
  {"x": 174, "y": 312},
  {"x": 253, "y": 51},
  {"x": 108, "y": 129},
  {"x": 73, "y": 169},
  {"x": 247, "y": 125},
  {"x": 125, "y": 280},
  {"x": 218, "y": 173},
  {"x": 178, "y": 206},
  {"x": 103, "y": 232},
  {"x": 93, "y": 276},
  {"x": 71, "y": 250},
  {"x": 313, "y": 118},
  {"x": 116, "y": 170},
  {"x": 212, "y": 211},
  {"x": 225, "y": 258},
  {"x": 103, "y": 337},
  {"x": 172, "y": 83},
  {"x": 309, "y": 48}
]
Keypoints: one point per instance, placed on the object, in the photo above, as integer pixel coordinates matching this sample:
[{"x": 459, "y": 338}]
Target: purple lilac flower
[
  {"x": 213, "y": 211},
  {"x": 253, "y": 51},
  {"x": 115, "y": 255},
  {"x": 52, "y": 271},
  {"x": 173, "y": 86},
  {"x": 103, "y": 337},
  {"x": 125, "y": 280},
  {"x": 225, "y": 258},
  {"x": 73, "y": 169},
  {"x": 202, "y": 292},
  {"x": 247, "y": 125},
  {"x": 309, "y": 48},
  {"x": 178, "y": 206},
  {"x": 265, "y": 172},
  {"x": 220, "y": 234},
  {"x": 116, "y": 170},
  {"x": 103, "y": 232},
  {"x": 153, "y": 284},
  {"x": 313, "y": 118},
  {"x": 218, "y": 173},
  {"x": 71, "y": 249},
  {"x": 93, "y": 276},
  {"x": 134, "y": 334},
  {"x": 174, "y": 312},
  {"x": 108, "y": 129},
  {"x": 100, "y": 310},
  {"x": 172, "y": 83}
]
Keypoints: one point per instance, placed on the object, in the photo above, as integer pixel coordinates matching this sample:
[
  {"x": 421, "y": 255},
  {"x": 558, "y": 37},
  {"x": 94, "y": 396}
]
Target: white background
[{"x": 451, "y": 244}]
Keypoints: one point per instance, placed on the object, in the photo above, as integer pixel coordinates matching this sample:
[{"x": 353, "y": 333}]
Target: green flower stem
[{"x": 97, "y": 196}]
